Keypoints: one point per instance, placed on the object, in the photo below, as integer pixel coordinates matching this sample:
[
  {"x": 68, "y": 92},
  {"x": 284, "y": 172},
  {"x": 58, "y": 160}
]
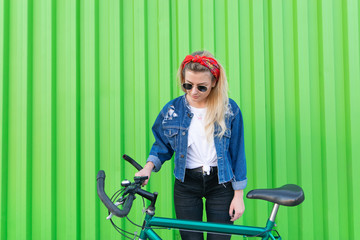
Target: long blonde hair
[{"x": 217, "y": 101}]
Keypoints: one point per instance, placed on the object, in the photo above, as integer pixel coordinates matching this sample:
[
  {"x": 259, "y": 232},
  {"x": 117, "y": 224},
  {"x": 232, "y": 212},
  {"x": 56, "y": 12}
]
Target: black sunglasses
[{"x": 189, "y": 86}]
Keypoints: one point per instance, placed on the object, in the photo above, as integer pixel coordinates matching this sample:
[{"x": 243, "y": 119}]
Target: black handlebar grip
[
  {"x": 106, "y": 200},
  {"x": 148, "y": 195},
  {"x": 133, "y": 162}
]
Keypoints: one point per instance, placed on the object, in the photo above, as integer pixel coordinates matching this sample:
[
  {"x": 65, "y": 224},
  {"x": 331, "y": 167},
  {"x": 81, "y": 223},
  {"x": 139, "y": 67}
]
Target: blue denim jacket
[{"x": 171, "y": 135}]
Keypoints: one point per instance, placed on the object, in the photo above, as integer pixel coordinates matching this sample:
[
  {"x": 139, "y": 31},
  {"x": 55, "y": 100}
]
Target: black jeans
[{"x": 188, "y": 198}]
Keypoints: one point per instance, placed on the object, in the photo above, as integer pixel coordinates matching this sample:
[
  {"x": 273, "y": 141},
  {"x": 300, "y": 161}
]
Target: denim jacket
[{"x": 171, "y": 135}]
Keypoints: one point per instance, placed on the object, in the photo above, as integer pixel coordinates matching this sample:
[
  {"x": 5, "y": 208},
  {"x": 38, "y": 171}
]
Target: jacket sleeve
[
  {"x": 237, "y": 151},
  {"x": 161, "y": 150}
]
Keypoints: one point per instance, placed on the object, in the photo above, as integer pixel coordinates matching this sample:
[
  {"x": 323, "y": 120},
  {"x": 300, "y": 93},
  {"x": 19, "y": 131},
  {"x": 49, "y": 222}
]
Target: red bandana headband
[{"x": 208, "y": 62}]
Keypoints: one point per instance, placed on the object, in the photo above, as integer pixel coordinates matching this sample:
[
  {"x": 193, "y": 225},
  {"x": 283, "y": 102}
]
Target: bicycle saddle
[{"x": 287, "y": 195}]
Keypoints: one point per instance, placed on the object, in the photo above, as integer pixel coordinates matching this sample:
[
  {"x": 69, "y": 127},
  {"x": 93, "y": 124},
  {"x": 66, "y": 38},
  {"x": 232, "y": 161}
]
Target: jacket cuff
[
  {"x": 239, "y": 185},
  {"x": 156, "y": 161}
]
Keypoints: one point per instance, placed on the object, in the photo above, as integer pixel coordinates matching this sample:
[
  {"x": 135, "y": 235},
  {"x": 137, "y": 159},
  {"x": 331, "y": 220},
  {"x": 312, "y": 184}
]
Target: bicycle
[{"x": 287, "y": 195}]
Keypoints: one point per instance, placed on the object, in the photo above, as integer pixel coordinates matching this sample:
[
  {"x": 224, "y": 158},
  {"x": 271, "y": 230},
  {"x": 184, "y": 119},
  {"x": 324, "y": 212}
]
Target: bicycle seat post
[{"x": 274, "y": 212}]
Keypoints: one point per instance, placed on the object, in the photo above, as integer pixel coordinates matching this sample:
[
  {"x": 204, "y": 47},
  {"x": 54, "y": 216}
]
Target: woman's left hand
[{"x": 237, "y": 206}]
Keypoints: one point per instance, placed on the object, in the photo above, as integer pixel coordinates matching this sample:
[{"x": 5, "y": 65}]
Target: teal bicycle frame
[
  {"x": 287, "y": 195},
  {"x": 151, "y": 221}
]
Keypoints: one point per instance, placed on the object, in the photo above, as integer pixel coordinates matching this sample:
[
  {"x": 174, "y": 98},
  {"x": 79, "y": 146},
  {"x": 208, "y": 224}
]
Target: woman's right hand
[{"x": 146, "y": 171}]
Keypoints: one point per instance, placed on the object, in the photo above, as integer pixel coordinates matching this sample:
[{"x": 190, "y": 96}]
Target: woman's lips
[{"x": 195, "y": 97}]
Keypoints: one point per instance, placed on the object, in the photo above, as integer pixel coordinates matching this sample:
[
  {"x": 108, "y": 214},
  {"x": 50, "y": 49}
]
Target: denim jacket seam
[{"x": 175, "y": 126}]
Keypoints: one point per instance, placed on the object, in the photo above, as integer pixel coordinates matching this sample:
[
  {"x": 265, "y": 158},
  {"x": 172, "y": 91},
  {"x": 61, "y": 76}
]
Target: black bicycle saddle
[{"x": 287, "y": 195}]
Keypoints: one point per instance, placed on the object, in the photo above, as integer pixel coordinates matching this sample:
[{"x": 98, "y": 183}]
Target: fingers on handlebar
[{"x": 144, "y": 173}]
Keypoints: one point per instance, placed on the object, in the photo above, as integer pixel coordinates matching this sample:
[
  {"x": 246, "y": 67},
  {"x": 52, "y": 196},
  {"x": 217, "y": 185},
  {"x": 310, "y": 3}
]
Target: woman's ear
[{"x": 213, "y": 83}]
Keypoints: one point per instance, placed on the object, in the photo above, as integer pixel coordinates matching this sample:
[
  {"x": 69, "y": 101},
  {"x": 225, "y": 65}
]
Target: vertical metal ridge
[
  {"x": 133, "y": 74},
  {"x": 122, "y": 90},
  {"x": 189, "y": 28},
  {"x": 356, "y": 218},
  {"x": 296, "y": 86},
  {"x": 347, "y": 117},
  {"x": 133, "y": 98},
  {"x": 146, "y": 69},
  {"x": 177, "y": 32},
  {"x": 322, "y": 117},
  {"x": 226, "y": 39},
  {"x": 122, "y": 80},
  {"x": 338, "y": 83},
  {"x": 171, "y": 64},
  {"x": 353, "y": 128},
  {"x": 268, "y": 94},
  {"x": 29, "y": 122},
  {"x": 158, "y": 45},
  {"x": 331, "y": 112},
  {"x": 271, "y": 90},
  {"x": 304, "y": 130},
  {"x": 214, "y": 24},
  {"x": 53, "y": 119},
  {"x": 5, "y": 121},
  {"x": 202, "y": 25},
  {"x": 97, "y": 116},
  {"x": 172, "y": 57},
  {"x": 78, "y": 122},
  {"x": 251, "y": 23},
  {"x": 315, "y": 113},
  {"x": 239, "y": 66},
  {"x": 280, "y": 85},
  {"x": 352, "y": 76},
  {"x": 287, "y": 95},
  {"x": 297, "y": 110}
]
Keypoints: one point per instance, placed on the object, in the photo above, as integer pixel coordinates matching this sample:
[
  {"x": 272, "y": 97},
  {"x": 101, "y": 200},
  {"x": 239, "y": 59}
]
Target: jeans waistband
[{"x": 200, "y": 170}]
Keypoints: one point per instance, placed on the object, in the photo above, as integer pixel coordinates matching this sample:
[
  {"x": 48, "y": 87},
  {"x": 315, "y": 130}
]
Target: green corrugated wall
[{"x": 82, "y": 81}]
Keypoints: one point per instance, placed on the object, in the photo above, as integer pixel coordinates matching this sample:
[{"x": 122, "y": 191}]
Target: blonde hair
[{"x": 217, "y": 101}]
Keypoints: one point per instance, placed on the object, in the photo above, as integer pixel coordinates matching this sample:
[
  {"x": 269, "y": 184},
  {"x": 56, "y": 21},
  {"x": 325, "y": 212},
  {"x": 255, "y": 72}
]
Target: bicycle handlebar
[
  {"x": 133, "y": 162},
  {"x": 106, "y": 200},
  {"x": 131, "y": 194}
]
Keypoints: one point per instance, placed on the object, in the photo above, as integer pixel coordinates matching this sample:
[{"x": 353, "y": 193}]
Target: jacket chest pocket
[{"x": 172, "y": 134}]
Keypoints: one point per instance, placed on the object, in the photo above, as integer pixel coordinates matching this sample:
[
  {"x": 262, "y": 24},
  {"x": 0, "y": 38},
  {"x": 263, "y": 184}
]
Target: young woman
[{"x": 204, "y": 128}]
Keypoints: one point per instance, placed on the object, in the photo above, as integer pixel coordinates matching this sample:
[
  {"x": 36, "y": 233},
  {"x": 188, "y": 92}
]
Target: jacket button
[
  {"x": 183, "y": 133},
  {"x": 181, "y": 155}
]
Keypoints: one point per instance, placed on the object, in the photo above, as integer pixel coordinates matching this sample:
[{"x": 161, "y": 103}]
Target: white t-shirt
[{"x": 201, "y": 152}]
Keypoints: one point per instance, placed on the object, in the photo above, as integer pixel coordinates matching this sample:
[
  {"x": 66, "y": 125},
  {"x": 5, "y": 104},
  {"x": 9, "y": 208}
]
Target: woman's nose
[{"x": 194, "y": 90}]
